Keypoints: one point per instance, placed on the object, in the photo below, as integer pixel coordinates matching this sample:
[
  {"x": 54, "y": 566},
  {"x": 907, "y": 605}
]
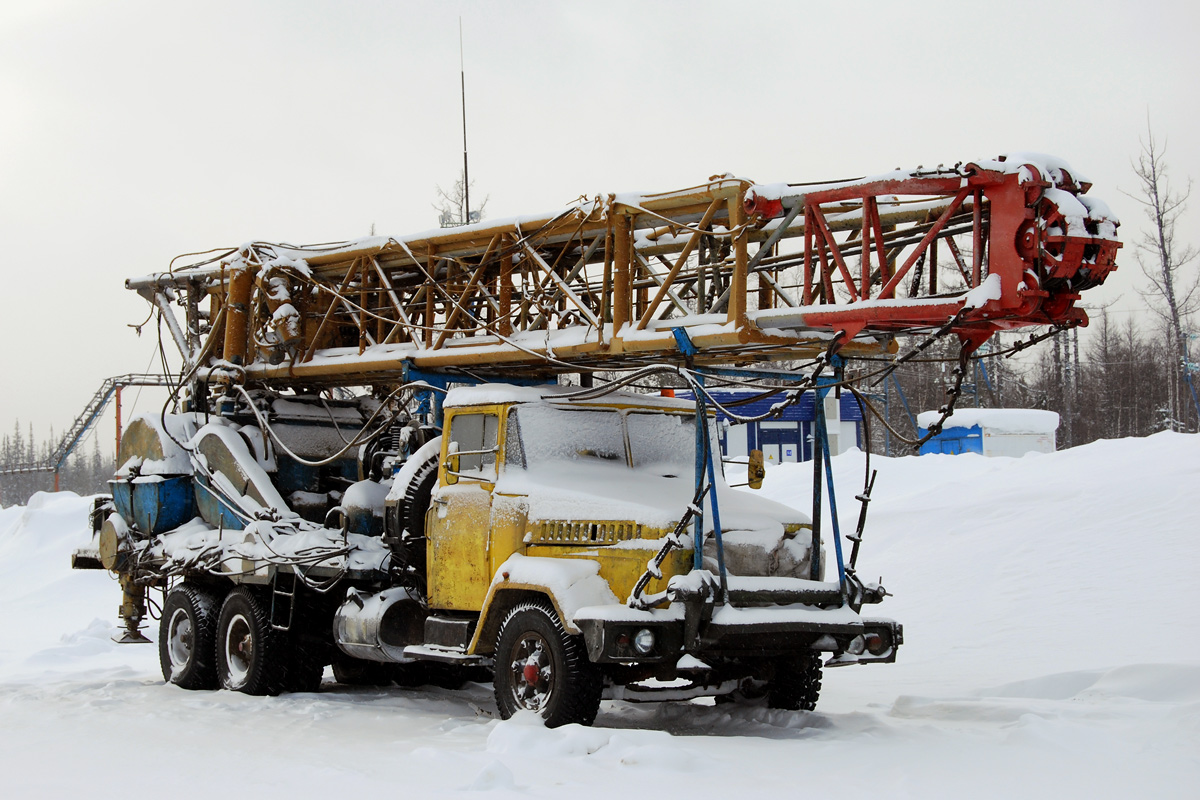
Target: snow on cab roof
[
  {"x": 996, "y": 420},
  {"x": 495, "y": 393}
]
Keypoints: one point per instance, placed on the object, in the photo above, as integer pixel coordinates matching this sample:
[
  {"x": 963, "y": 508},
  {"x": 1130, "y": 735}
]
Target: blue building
[
  {"x": 787, "y": 437},
  {"x": 991, "y": 431}
]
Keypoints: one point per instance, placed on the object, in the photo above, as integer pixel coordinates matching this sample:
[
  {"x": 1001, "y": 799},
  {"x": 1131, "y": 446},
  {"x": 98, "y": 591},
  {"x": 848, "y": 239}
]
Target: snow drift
[{"x": 1051, "y": 650}]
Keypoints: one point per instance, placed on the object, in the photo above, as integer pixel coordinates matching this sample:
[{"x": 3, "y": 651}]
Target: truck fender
[{"x": 568, "y": 583}]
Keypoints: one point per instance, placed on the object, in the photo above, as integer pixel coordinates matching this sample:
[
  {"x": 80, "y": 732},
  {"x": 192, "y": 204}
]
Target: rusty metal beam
[{"x": 692, "y": 241}]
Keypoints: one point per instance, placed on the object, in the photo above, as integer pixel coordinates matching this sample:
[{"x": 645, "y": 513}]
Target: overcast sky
[{"x": 132, "y": 132}]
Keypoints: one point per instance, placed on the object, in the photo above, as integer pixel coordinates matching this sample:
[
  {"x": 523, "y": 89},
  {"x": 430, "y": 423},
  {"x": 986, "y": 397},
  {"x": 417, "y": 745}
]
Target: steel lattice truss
[{"x": 750, "y": 272}]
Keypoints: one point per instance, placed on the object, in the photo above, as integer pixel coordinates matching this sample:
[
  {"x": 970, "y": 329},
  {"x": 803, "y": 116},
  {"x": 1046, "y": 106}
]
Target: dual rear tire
[
  {"x": 187, "y": 635},
  {"x": 209, "y": 642},
  {"x": 250, "y": 654}
]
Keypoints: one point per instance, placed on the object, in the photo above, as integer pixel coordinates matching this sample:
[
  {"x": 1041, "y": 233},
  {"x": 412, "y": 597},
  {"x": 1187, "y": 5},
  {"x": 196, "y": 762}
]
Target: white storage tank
[{"x": 991, "y": 431}]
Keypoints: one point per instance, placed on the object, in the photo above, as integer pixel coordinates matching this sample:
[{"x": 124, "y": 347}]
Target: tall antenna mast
[{"x": 462, "y": 74}]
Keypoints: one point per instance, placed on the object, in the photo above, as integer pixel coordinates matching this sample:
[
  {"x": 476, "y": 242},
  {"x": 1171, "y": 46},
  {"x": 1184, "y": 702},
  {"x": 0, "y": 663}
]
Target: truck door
[{"x": 459, "y": 514}]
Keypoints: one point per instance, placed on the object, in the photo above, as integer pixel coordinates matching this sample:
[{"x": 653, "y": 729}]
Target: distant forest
[{"x": 86, "y": 471}]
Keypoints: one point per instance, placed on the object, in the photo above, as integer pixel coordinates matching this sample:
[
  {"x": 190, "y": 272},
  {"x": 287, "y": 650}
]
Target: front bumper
[{"x": 613, "y": 633}]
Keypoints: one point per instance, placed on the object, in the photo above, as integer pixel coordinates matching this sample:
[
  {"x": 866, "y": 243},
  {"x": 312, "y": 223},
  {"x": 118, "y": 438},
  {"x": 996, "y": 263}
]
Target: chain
[{"x": 960, "y": 372}]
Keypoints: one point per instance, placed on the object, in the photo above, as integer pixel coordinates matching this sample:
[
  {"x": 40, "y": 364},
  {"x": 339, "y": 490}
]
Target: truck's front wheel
[{"x": 542, "y": 668}]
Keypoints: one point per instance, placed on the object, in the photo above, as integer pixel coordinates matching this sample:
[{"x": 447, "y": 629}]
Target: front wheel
[
  {"x": 187, "y": 637},
  {"x": 250, "y": 655},
  {"x": 797, "y": 682},
  {"x": 542, "y": 668}
]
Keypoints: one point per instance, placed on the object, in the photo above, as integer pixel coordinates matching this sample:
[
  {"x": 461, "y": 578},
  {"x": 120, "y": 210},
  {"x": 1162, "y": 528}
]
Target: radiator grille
[{"x": 583, "y": 532}]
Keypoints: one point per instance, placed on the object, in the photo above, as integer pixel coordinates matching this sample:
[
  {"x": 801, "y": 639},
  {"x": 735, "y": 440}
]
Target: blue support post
[
  {"x": 818, "y": 459},
  {"x": 887, "y": 415},
  {"x": 822, "y": 435},
  {"x": 716, "y": 510},
  {"x": 688, "y": 348},
  {"x": 698, "y": 521},
  {"x": 904, "y": 401},
  {"x": 706, "y": 468}
]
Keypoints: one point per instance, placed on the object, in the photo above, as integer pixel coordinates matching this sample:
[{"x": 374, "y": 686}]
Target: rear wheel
[
  {"x": 797, "y": 682},
  {"x": 542, "y": 668},
  {"x": 187, "y": 637},
  {"x": 251, "y": 657}
]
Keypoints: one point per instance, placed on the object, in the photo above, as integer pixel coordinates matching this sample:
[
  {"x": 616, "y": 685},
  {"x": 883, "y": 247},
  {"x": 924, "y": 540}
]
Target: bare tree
[
  {"x": 1173, "y": 296},
  {"x": 452, "y": 206}
]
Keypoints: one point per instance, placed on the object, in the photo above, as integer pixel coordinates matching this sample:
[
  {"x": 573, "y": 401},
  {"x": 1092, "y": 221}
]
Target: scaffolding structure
[{"x": 109, "y": 391}]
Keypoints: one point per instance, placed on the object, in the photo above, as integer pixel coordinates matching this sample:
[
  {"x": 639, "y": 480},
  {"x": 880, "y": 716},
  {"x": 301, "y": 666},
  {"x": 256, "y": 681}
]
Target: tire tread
[
  {"x": 203, "y": 605},
  {"x": 269, "y": 673},
  {"x": 582, "y": 685},
  {"x": 797, "y": 683}
]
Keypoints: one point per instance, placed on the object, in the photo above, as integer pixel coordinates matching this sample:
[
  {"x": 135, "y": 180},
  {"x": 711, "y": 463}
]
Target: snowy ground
[{"x": 1052, "y": 649}]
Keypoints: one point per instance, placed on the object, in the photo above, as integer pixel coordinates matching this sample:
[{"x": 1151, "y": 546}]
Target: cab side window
[{"x": 476, "y": 437}]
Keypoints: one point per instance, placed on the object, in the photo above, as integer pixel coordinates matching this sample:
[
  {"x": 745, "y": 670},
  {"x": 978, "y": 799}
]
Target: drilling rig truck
[{"x": 435, "y": 458}]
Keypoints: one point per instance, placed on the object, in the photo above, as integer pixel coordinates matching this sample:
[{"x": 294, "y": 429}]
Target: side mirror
[
  {"x": 755, "y": 471},
  {"x": 452, "y": 463}
]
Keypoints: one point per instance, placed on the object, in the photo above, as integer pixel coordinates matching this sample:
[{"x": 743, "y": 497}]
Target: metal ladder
[{"x": 283, "y": 593}]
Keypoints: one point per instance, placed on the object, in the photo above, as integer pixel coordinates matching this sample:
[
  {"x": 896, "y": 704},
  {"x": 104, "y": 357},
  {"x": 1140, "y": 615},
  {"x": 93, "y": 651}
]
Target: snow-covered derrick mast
[
  {"x": 1035, "y": 242},
  {"x": 749, "y": 271}
]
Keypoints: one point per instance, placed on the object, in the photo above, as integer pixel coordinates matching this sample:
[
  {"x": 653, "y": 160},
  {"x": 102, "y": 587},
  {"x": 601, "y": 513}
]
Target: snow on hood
[{"x": 595, "y": 490}]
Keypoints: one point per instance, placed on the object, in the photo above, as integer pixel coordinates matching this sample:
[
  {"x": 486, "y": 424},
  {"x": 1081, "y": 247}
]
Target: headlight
[
  {"x": 643, "y": 642},
  {"x": 877, "y": 644}
]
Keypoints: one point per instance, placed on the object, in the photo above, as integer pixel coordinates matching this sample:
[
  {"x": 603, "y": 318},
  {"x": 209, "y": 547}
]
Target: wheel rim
[
  {"x": 532, "y": 668},
  {"x": 180, "y": 638},
  {"x": 239, "y": 649}
]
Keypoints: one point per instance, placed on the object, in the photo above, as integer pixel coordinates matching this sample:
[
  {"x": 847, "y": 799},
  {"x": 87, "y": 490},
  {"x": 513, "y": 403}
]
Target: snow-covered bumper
[{"x": 756, "y": 622}]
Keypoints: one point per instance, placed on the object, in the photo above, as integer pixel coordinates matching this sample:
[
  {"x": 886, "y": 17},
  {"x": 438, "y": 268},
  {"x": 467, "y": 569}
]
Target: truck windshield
[
  {"x": 549, "y": 434},
  {"x": 657, "y": 441},
  {"x": 662, "y": 441}
]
